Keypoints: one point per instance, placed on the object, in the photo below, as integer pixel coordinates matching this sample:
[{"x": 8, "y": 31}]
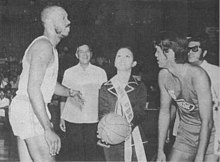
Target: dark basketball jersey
[{"x": 184, "y": 94}]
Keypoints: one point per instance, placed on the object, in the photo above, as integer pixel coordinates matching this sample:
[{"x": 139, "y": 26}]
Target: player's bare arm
[
  {"x": 201, "y": 84},
  {"x": 65, "y": 91},
  {"x": 61, "y": 90},
  {"x": 40, "y": 55},
  {"x": 164, "y": 115},
  {"x": 62, "y": 122}
]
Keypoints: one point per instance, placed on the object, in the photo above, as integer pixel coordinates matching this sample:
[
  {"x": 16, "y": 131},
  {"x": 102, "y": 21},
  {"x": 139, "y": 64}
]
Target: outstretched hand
[
  {"x": 77, "y": 96},
  {"x": 73, "y": 92}
]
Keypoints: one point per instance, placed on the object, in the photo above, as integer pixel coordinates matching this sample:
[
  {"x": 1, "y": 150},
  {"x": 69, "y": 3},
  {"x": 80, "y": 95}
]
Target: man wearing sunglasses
[{"x": 197, "y": 50}]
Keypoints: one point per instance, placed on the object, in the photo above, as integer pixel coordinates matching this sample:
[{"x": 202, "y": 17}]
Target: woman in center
[{"x": 126, "y": 96}]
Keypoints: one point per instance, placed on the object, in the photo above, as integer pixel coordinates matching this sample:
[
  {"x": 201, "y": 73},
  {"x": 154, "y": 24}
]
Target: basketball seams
[
  {"x": 113, "y": 128},
  {"x": 109, "y": 137},
  {"x": 113, "y": 131}
]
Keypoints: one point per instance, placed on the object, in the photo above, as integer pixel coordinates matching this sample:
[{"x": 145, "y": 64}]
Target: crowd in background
[{"x": 9, "y": 77}]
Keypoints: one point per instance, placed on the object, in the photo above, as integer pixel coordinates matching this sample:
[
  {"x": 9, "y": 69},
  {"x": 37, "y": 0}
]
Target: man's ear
[
  {"x": 134, "y": 64},
  {"x": 49, "y": 24},
  {"x": 204, "y": 53},
  {"x": 76, "y": 54},
  {"x": 170, "y": 55}
]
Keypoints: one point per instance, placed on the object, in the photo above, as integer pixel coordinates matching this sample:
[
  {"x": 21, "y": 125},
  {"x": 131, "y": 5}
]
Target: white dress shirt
[
  {"x": 88, "y": 82},
  {"x": 214, "y": 74}
]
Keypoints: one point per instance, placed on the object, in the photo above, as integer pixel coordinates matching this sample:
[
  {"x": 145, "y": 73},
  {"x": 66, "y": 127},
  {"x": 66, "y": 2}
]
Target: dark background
[{"x": 107, "y": 25}]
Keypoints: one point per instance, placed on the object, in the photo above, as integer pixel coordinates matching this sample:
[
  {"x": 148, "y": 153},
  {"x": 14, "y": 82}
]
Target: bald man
[{"x": 29, "y": 115}]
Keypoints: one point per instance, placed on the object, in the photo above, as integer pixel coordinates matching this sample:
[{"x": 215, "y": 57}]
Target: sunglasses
[{"x": 194, "y": 49}]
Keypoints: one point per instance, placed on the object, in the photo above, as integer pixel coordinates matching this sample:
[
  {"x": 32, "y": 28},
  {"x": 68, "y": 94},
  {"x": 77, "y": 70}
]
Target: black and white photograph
[{"x": 109, "y": 80}]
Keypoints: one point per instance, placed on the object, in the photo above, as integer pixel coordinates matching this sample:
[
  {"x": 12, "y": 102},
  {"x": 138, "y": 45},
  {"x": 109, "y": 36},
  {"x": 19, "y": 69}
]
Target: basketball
[{"x": 113, "y": 128}]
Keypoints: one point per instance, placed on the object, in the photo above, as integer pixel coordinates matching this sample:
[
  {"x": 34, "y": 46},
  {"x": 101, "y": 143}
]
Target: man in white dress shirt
[{"x": 79, "y": 117}]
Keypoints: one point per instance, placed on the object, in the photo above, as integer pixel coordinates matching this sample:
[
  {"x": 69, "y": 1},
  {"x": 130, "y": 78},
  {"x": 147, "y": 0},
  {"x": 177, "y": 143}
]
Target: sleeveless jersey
[
  {"x": 49, "y": 80},
  {"x": 183, "y": 92}
]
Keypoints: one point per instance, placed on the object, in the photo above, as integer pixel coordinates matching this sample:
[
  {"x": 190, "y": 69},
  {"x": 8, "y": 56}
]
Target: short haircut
[
  {"x": 48, "y": 11},
  {"x": 170, "y": 40},
  {"x": 77, "y": 50},
  {"x": 202, "y": 38}
]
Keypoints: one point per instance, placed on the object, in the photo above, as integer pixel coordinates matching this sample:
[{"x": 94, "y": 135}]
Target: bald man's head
[
  {"x": 55, "y": 21},
  {"x": 50, "y": 13}
]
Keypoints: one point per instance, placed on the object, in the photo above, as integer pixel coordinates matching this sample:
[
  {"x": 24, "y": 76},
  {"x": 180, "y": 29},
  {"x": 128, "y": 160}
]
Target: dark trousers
[
  {"x": 116, "y": 153},
  {"x": 81, "y": 142}
]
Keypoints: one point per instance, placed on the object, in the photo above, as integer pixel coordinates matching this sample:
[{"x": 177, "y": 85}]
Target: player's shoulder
[
  {"x": 163, "y": 73},
  {"x": 164, "y": 77},
  {"x": 195, "y": 70},
  {"x": 40, "y": 48},
  {"x": 42, "y": 43}
]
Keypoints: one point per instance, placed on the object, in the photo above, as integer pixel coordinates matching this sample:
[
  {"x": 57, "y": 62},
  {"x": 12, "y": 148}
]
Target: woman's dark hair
[
  {"x": 130, "y": 49},
  {"x": 170, "y": 40}
]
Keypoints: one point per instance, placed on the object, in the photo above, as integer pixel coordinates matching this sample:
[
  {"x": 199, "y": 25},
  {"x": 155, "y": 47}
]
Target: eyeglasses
[{"x": 194, "y": 49}]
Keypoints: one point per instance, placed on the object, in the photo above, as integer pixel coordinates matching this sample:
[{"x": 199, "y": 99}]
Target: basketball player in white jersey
[{"x": 29, "y": 116}]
